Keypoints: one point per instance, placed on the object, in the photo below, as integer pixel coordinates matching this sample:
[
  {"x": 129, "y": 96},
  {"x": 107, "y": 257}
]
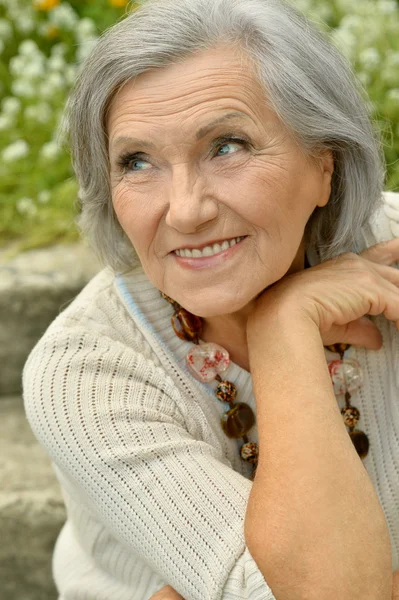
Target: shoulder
[{"x": 97, "y": 312}]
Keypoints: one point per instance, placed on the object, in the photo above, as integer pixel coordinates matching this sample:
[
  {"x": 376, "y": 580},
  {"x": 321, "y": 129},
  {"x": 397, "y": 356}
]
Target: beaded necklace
[{"x": 208, "y": 361}]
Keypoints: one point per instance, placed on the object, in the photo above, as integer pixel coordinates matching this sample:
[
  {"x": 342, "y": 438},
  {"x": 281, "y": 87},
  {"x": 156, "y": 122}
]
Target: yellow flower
[
  {"x": 52, "y": 31},
  {"x": 45, "y": 4},
  {"x": 118, "y": 3}
]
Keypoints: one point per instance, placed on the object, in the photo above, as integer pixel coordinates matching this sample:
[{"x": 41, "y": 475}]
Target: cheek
[{"x": 135, "y": 214}]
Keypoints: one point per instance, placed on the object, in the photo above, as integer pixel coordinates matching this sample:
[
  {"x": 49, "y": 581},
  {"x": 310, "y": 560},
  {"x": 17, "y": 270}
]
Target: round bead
[
  {"x": 360, "y": 441},
  {"x": 185, "y": 325},
  {"x": 250, "y": 452},
  {"x": 226, "y": 392},
  {"x": 237, "y": 421},
  {"x": 346, "y": 375},
  {"x": 351, "y": 415},
  {"x": 338, "y": 347},
  {"x": 206, "y": 361}
]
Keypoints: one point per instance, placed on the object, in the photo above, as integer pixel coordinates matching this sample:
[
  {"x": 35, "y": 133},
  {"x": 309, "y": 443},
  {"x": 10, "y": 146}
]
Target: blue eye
[
  {"x": 139, "y": 165},
  {"x": 228, "y": 148}
]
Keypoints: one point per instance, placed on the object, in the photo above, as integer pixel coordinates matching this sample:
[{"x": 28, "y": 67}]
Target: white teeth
[{"x": 208, "y": 250}]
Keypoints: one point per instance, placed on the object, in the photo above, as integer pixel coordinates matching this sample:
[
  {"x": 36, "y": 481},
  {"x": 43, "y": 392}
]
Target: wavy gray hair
[{"x": 307, "y": 83}]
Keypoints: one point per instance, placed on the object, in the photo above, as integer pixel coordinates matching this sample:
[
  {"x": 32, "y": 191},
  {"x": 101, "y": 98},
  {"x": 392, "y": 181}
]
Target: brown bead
[
  {"x": 351, "y": 415},
  {"x": 169, "y": 299},
  {"x": 185, "y": 325},
  {"x": 249, "y": 452},
  {"x": 237, "y": 421},
  {"x": 226, "y": 392},
  {"x": 360, "y": 441},
  {"x": 339, "y": 348}
]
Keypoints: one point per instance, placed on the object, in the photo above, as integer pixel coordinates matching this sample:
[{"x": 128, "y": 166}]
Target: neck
[{"x": 230, "y": 330}]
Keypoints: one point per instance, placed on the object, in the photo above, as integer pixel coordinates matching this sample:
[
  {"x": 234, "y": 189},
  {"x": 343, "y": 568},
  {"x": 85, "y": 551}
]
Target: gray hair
[{"x": 307, "y": 83}]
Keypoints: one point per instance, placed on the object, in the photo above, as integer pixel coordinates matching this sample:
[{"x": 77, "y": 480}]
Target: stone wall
[{"x": 34, "y": 287}]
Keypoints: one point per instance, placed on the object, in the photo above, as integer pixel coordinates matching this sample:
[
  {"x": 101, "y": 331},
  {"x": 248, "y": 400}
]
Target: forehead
[{"x": 213, "y": 80}]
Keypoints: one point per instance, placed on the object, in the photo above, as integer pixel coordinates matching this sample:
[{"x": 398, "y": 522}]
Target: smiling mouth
[{"x": 210, "y": 250}]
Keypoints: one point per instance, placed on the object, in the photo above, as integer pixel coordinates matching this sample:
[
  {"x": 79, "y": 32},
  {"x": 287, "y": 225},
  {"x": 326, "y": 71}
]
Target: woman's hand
[
  {"x": 337, "y": 294},
  {"x": 166, "y": 593}
]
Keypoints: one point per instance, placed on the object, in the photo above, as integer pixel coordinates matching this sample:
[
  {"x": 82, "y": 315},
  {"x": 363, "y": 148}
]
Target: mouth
[
  {"x": 221, "y": 259},
  {"x": 211, "y": 249}
]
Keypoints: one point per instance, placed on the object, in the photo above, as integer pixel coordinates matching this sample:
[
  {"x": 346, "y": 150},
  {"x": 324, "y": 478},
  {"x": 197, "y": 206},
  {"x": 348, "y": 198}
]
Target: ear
[{"x": 326, "y": 162}]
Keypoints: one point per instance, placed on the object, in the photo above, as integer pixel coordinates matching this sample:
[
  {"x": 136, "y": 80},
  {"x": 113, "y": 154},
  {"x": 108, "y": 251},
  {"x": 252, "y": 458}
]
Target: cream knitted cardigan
[{"x": 154, "y": 490}]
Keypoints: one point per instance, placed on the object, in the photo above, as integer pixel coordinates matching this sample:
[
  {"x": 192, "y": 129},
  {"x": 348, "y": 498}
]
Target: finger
[
  {"x": 383, "y": 253},
  {"x": 363, "y": 333}
]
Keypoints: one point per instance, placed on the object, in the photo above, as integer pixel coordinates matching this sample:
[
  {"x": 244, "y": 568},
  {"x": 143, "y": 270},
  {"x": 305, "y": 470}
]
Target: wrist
[{"x": 279, "y": 319}]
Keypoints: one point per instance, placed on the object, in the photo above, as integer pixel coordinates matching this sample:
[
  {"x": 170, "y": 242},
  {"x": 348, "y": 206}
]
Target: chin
[{"x": 214, "y": 307}]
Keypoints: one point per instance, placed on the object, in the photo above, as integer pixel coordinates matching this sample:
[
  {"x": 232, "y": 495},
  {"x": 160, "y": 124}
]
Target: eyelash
[{"x": 126, "y": 158}]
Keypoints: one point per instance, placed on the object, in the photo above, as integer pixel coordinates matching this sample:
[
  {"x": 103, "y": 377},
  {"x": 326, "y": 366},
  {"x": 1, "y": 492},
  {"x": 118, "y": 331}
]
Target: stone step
[
  {"x": 31, "y": 509},
  {"x": 34, "y": 287}
]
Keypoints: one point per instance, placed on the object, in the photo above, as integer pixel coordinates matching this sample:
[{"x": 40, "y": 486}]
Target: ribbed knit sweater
[{"x": 155, "y": 492}]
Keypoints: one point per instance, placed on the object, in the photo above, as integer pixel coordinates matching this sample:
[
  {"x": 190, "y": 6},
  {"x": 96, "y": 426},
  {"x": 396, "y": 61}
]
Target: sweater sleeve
[{"x": 109, "y": 418}]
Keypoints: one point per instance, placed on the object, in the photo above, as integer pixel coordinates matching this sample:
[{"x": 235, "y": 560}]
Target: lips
[{"x": 205, "y": 244}]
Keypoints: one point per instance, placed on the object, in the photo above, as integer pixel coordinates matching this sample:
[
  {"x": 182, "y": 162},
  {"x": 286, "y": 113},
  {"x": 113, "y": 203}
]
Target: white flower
[
  {"x": 16, "y": 150},
  {"x": 27, "y": 48},
  {"x": 70, "y": 74},
  {"x": 34, "y": 69},
  {"x": 26, "y": 206},
  {"x": 56, "y": 63},
  {"x": 40, "y": 112},
  {"x": 50, "y": 150},
  {"x": 17, "y": 65},
  {"x": 24, "y": 23},
  {"x": 387, "y": 7},
  {"x": 85, "y": 29},
  {"x": 6, "y": 122},
  {"x": 370, "y": 58},
  {"x": 350, "y": 22},
  {"x": 23, "y": 88},
  {"x": 64, "y": 16},
  {"x": 364, "y": 78},
  {"x": 345, "y": 42},
  {"x": 84, "y": 50},
  {"x": 5, "y": 29},
  {"x": 43, "y": 197},
  {"x": 51, "y": 85},
  {"x": 11, "y": 105},
  {"x": 392, "y": 58},
  {"x": 58, "y": 49}
]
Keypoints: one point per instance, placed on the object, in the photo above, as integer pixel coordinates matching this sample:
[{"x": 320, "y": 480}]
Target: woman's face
[{"x": 197, "y": 158}]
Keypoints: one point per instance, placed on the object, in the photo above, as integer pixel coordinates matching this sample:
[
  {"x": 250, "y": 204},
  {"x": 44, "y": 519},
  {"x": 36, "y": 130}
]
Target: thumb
[{"x": 363, "y": 333}]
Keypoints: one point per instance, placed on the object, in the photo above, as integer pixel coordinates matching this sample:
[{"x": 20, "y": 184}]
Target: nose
[{"x": 190, "y": 205}]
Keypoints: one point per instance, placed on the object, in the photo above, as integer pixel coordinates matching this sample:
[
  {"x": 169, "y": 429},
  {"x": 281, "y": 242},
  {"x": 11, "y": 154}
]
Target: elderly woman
[{"x": 220, "y": 403}]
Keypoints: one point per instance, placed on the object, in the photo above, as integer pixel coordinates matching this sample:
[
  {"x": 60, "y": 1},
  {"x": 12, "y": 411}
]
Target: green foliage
[{"x": 42, "y": 44}]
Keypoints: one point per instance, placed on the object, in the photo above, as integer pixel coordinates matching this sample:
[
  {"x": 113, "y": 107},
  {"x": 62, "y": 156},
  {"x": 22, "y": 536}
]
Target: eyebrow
[{"x": 202, "y": 132}]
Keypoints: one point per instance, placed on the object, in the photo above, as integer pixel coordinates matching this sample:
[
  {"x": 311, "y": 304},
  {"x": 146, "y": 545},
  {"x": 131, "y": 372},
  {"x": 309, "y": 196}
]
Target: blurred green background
[{"x": 42, "y": 44}]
